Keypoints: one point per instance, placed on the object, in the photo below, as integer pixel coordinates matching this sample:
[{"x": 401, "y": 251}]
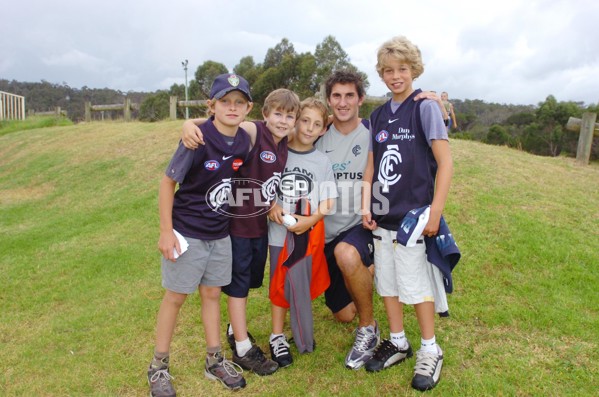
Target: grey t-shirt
[
  {"x": 348, "y": 154},
  {"x": 307, "y": 175}
]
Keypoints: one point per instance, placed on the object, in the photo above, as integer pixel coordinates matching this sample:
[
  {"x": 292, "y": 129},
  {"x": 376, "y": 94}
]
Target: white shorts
[{"x": 405, "y": 272}]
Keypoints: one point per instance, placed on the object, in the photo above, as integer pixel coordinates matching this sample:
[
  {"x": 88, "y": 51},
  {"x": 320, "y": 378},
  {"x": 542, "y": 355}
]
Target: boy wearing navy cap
[
  {"x": 411, "y": 166},
  {"x": 255, "y": 188},
  {"x": 194, "y": 216}
]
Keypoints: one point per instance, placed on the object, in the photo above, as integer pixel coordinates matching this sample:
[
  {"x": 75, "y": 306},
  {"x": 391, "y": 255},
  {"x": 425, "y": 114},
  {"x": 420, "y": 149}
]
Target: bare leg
[
  {"x": 358, "y": 280},
  {"x": 237, "y": 315},
  {"x": 425, "y": 312},
  {"x": 278, "y": 318},
  {"x": 211, "y": 314},
  {"x": 167, "y": 319},
  {"x": 394, "y": 309},
  {"x": 347, "y": 314}
]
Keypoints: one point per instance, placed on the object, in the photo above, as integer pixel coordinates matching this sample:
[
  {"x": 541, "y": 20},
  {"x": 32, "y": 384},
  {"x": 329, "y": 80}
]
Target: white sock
[
  {"x": 429, "y": 345},
  {"x": 230, "y": 330},
  {"x": 243, "y": 347},
  {"x": 399, "y": 340},
  {"x": 275, "y": 336}
]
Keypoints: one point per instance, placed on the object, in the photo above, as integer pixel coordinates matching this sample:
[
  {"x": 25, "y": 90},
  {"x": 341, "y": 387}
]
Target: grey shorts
[{"x": 206, "y": 262}]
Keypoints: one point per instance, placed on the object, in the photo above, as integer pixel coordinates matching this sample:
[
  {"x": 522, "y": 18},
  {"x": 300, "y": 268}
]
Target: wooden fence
[
  {"x": 12, "y": 107},
  {"x": 125, "y": 107},
  {"x": 185, "y": 104},
  {"x": 587, "y": 126}
]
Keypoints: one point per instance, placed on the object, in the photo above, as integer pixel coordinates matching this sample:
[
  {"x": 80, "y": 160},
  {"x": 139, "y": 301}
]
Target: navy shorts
[
  {"x": 337, "y": 296},
  {"x": 249, "y": 260}
]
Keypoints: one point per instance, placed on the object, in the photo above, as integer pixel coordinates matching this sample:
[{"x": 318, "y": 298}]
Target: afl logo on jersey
[
  {"x": 212, "y": 165},
  {"x": 382, "y": 136},
  {"x": 237, "y": 163},
  {"x": 268, "y": 157}
]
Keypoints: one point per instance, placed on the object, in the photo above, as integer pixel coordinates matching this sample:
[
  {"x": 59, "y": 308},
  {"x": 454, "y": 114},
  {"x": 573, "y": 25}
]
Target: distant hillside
[{"x": 45, "y": 96}]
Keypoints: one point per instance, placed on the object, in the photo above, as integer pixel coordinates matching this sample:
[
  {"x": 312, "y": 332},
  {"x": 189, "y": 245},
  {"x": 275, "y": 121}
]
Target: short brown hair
[
  {"x": 318, "y": 105},
  {"x": 344, "y": 76},
  {"x": 282, "y": 99}
]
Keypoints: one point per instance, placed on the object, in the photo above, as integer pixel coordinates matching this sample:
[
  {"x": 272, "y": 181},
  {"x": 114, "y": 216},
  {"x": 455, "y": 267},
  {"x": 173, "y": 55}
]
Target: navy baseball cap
[{"x": 225, "y": 83}]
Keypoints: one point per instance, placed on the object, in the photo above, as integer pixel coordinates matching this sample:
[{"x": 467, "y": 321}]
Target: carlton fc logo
[
  {"x": 268, "y": 157},
  {"x": 212, "y": 165},
  {"x": 388, "y": 167},
  {"x": 382, "y": 136}
]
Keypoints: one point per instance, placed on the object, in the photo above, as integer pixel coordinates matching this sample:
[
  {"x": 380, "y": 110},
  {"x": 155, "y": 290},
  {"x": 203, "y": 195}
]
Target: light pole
[{"x": 184, "y": 63}]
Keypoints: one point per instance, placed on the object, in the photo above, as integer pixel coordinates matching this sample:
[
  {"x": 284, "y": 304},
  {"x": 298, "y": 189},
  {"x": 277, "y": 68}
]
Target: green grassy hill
[{"x": 80, "y": 276}]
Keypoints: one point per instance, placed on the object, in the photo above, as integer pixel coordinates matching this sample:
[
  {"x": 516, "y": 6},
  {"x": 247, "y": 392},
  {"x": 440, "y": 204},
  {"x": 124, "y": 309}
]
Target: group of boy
[{"x": 228, "y": 244}]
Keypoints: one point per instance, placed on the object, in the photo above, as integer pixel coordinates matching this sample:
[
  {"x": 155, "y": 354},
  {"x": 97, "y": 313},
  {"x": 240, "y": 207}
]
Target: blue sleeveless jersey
[
  {"x": 200, "y": 208},
  {"x": 404, "y": 165}
]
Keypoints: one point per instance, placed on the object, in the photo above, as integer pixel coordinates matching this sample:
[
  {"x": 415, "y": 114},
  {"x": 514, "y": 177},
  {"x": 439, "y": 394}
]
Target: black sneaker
[
  {"x": 279, "y": 351},
  {"x": 254, "y": 360},
  {"x": 159, "y": 380},
  {"x": 231, "y": 339},
  {"x": 427, "y": 371},
  {"x": 387, "y": 354},
  {"x": 226, "y": 372}
]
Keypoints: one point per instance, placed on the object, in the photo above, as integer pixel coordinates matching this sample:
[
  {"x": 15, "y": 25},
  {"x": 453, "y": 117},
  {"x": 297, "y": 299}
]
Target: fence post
[
  {"x": 173, "y": 108},
  {"x": 88, "y": 111},
  {"x": 585, "y": 139},
  {"x": 127, "y": 110}
]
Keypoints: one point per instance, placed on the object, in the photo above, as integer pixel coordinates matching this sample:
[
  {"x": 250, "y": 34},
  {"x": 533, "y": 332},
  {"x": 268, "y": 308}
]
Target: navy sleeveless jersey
[
  {"x": 200, "y": 208},
  {"x": 404, "y": 165},
  {"x": 256, "y": 184}
]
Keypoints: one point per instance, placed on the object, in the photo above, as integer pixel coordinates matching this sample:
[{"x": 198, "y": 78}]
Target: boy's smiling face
[
  {"x": 397, "y": 76},
  {"x": 280, "y": 123}
]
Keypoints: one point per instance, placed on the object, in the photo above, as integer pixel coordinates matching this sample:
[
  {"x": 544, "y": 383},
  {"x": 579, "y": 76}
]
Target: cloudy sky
[{"x": 508, "y": 51}]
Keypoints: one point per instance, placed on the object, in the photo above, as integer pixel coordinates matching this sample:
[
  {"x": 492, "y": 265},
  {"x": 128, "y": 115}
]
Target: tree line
[{"x": 538, "y": 129}]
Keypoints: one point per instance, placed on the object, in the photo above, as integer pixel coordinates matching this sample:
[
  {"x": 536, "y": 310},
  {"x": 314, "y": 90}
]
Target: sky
[{"x": 508, "y": 51}]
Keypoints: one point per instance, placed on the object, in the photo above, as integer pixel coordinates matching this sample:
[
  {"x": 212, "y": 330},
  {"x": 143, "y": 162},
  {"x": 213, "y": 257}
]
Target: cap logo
[{"x": 233, "y": 80}]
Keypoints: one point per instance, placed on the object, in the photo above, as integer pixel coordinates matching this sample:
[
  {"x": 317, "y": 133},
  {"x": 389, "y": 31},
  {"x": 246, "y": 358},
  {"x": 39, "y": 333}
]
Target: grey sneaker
[
  {"x": 367, "y": 338},
  {"x": 159, "y": 380},
  {"x": 427, "y": 371},
  {"x": 227, "y": 372},
  {"x": 279, "y": 351},
  {"x": 387, "y": 354},
  {"x": 255, "y": 360}
]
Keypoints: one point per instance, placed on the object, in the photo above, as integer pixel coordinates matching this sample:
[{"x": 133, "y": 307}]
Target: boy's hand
[
  {"x": 432, "y": 226},
  {"x": 427, "y": 95},
  {"x": 304, "y": 223},
  {"x": 167, "y": 243},
  {"x": 367, "y": 221},
  {"x": 192, "y": 135},
  {"x": 275, "y": 214}
]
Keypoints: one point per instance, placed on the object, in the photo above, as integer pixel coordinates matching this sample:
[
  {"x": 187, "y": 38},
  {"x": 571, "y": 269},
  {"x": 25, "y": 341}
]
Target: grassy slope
[{"x": 80, "y": 275}]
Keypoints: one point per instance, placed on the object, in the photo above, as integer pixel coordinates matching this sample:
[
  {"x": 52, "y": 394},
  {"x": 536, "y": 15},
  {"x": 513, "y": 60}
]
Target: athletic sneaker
[
  {"x": 279, "y": 351},
  {"x": 255, "y": 360},
  {"x": 231, "y": 339},
  {"x": 159, "y": 380},
  {"x": 367, "y": 338},
  {"x": 427, "y": 371},
  {"x": 386, "y": 355},
  {"x": 228, "y": 373}
]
